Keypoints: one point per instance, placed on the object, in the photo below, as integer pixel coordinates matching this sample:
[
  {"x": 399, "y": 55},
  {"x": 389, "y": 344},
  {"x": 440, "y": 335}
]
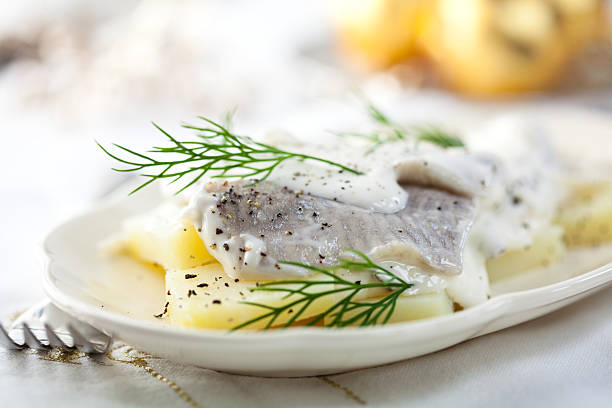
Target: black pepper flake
[
  {"x": 358, "y": 282},
  {"x": 315, "y": 214},
  {"x": 190, "y": 276},
  {"x": 226, "y": 246},
  {"x": 169, "y": 292},
  {"x": 236, "y": 280},
  {"x": 439, "y": 208},
  {"x": 321, "y": 256},
  {"x": 191, "y": 293},
  {"x": 159, "y": 316},
  {"x": 277, "y": 266},
  {"x": 216, "y": 302},
  {"x": 516, "y": 200},
  {"x": 203, "y": 285},
  {"x": 288, "y": 233},
  {"x": 226, "y": 285},
  {"x": 219, "y": 231}
]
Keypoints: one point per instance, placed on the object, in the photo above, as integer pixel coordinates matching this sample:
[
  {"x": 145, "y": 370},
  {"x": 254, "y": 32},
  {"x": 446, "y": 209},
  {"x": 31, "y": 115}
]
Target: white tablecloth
[{"x": 51, "y": 169}]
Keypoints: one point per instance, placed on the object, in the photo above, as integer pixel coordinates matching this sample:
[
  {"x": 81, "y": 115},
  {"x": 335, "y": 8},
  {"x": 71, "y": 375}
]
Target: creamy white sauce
[
  {"x": 384, "y": 170},
  {"x": 376, "y": 190},
  {"x": 527, "y": 188},
  {"x": 471, "y": 287}
]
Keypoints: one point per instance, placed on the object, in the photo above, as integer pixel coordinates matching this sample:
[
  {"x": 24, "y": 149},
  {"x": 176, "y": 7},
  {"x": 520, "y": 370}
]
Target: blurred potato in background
[
  {"x": 483, "y": 48},
  {"x": 381, "y": 32}
]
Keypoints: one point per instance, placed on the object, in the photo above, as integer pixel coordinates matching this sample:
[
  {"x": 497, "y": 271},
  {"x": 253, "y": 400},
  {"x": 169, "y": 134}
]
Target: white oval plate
[{"x": 121, "y": 297}]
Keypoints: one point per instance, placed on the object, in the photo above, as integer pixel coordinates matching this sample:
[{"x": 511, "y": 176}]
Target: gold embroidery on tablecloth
[
  {"x": 60, "y": 355},
  {"x": 138, "y": 360},
  {"x": 350, "y": 394},
  {"x": 63, "y": 356}
]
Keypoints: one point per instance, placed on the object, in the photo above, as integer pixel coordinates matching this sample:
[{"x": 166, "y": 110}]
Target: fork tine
[
  {"x": 6, "y": 341},
  {"x": 54, "y": 340},
  {"x": 84, "y": 345},
  {"x": 107, "y": 345},
  {"x": 30, "y": 339}
]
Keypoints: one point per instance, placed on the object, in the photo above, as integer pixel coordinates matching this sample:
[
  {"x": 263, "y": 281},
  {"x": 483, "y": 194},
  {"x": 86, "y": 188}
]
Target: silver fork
[{"x": 44, "y": 326}]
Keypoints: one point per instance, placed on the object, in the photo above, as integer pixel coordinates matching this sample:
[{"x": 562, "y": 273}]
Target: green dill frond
[
  {"x": 345, "y": 311},
  {"x": 215, "y": 151}
]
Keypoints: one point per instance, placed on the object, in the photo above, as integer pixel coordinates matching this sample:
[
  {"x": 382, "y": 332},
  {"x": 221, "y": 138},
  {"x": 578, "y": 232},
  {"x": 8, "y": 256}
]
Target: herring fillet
[{"x": 249, "y": 229}]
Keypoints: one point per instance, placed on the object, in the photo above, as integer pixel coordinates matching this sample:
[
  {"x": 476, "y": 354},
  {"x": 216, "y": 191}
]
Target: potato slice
[
  {"x": 161, "y": 238},
  {"x": 587, "y": 217},
  {"x": 547, "y": 247},
  {"x": 414, "y": 307},
  {"x": 206, "y": 297}
]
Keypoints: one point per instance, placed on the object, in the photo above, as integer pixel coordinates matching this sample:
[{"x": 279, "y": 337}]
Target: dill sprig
[
  {"x": 436, "y": 135},
  {"x": 391, "y": 131},
  {"x": 346, "y": 311},
  {"x": 219, "y": 152}
]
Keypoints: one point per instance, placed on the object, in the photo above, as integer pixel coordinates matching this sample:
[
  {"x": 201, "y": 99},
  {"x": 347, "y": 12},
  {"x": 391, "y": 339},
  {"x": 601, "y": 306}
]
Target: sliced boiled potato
[
  {"x": 161, "y": 238},
  {"x": 547, "y": 247},
  {"x": 206, "y": 297},
  {"x": 587, "y": 217},
  {"x": 412, "y": 307}
]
